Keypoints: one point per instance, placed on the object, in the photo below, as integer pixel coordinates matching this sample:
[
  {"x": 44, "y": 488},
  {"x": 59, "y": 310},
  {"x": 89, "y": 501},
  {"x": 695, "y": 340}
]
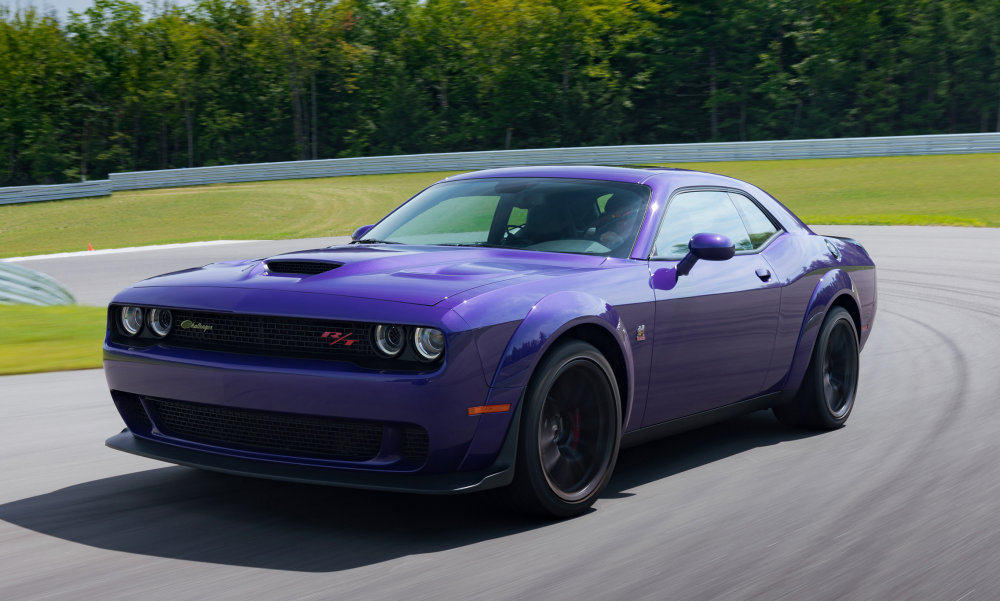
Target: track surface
[
  {"x": 95, "y": 278},
  {"x": 903, "y": 503}
]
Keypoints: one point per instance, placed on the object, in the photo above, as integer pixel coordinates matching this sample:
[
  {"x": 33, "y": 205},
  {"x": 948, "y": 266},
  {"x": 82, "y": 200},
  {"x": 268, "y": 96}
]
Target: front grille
[
  {"x": 301, "y": 267},
  {"x": 269, "y": 432},
  {"x": 267, "y": 335},
  {"x": 276, "y": 336}
]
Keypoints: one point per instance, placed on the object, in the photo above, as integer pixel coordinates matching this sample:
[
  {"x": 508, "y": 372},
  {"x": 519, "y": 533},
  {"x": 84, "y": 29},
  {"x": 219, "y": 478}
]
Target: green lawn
[
  {"x": 300, "y": 208},
  {"x": 919, "y": 190},
  {"x": 38, "y": 339},
  {"x": 924, "y": 190}
]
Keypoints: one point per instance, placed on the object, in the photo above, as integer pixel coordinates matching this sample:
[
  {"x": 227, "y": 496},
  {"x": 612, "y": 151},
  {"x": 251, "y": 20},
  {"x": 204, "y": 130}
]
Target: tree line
[{"x": 120, "y": 87}]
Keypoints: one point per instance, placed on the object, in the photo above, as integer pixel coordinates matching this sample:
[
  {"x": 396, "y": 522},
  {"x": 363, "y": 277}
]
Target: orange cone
[{"x": 90, "y": 246}]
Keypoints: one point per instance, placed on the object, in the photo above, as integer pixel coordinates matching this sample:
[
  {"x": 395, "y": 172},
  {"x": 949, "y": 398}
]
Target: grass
[
  {"x": 40, "y": 339},
  {"x": 248, "y": 211},
  {"x": 921, "y": 190}
]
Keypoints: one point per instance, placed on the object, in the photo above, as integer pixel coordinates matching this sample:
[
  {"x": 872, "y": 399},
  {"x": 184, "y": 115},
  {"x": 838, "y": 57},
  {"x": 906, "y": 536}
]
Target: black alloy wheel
[
  {"x": 826, "y": 397},
  {"x": 840, "y": 368},
  {"x": 570, "y": 432}
]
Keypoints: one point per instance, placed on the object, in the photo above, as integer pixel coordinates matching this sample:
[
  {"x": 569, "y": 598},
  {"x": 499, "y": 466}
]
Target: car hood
[{"x": 423, "y": 275}]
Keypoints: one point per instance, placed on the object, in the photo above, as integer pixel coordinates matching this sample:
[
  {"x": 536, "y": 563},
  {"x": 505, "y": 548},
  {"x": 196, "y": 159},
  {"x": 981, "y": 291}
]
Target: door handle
[{"x": 763, "y": 274}]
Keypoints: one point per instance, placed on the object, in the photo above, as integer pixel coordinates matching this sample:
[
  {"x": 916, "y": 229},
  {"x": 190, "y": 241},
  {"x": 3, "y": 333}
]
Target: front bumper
[
  {"x": 501, "y": 473},
  {"x": 460, "y": 451}
]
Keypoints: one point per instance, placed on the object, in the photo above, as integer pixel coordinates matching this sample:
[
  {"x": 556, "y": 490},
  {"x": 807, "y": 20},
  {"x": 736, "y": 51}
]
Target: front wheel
[
  {"x": 826, "y": 397},
  {"x": 570, "y": 432}
]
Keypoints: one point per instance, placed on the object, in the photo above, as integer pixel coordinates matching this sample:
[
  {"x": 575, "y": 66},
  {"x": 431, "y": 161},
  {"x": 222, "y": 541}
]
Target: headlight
[
  {"x": 131, "y": 320},
  {"x": 429, "y": 343},
  {"x": 388, "y": 339},
  {"x": 160, "y": 321}
]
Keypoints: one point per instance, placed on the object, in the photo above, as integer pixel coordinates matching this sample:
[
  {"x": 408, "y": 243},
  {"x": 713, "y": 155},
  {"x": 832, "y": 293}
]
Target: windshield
[{"x": 557, "y": 215}]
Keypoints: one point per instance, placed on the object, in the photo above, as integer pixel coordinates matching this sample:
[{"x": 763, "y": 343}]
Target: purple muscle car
[{"x": 505, "y": 328}]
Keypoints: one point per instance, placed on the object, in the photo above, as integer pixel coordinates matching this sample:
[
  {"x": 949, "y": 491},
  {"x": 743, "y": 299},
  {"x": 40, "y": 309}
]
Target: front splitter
[{"x": 501, "y": 473}]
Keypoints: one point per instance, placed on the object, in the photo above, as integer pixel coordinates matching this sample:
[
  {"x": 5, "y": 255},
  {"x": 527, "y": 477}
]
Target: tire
[
  {"x": 826, "y": 397},
  {"x": 570, "y": 433}
]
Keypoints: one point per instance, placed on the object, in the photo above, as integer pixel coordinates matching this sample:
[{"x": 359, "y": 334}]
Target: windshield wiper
[
  {"x": 373, "y": 241},
  {"x": 472, "y": 244}
]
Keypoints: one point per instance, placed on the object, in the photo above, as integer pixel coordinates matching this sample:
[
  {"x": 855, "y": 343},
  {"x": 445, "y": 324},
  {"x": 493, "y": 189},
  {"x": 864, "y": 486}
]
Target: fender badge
[{"x": 640, "y": 333}]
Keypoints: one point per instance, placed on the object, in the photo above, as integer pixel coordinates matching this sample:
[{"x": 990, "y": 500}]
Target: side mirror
[
  {"x": 361, "y": 231},
  {"x": 710, "y": 247}
]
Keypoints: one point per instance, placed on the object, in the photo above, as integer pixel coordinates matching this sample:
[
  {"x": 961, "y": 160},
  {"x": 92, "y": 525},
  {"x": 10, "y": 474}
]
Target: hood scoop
[{"x": 300, "y": 267}]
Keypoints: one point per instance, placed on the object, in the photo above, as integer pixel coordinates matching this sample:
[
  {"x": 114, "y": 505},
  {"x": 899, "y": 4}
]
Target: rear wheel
[
  {"x": 570, "y": 432},
  {"x": 826, "y": 397}
]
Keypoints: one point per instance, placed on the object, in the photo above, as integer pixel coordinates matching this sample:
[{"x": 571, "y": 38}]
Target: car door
[{"x": 714, "y": 328}]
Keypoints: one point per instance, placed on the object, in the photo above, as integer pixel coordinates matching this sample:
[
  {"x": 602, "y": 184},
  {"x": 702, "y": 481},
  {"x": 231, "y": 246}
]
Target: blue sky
[{"x": 62, "y": 7}]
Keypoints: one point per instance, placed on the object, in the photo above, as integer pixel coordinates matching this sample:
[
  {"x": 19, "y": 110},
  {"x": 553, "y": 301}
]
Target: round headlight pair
[
  {"x": 160, "y": 320},
  {"x": 428, "y": 342}
]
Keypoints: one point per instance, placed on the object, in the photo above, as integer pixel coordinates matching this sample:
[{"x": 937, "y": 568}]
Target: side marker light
[{"x": 481, "y": 409}]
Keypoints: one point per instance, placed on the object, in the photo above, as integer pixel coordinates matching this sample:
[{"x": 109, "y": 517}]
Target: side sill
[{"x": 698, "y": 420}]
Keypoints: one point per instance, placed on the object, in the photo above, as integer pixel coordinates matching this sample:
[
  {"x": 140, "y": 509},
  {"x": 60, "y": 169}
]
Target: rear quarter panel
[{"x": 813, "y": 279}]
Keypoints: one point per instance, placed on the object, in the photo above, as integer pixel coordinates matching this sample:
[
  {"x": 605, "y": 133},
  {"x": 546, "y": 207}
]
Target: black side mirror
[
  {"x": 361, "y": 231},
  {"x": 710, "y": 247}
]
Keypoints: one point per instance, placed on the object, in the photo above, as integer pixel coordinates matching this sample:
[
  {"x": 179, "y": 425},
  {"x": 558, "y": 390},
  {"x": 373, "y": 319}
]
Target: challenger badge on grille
[{"x": 187, "y": 324}]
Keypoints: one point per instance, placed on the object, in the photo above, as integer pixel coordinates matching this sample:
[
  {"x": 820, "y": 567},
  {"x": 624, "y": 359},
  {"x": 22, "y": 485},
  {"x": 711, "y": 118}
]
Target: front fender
[
  {"x": 834, "y": 284},
  {"x": 546, "y": 321},
  {"x": 549, "y": 318}
]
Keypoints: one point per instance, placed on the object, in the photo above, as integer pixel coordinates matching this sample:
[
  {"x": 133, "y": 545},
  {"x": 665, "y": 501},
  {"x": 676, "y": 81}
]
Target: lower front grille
[
  {"x": 415, "y": 443},
  {"x": 132, "y": 412},
  {"x": 268, "y": 432}
]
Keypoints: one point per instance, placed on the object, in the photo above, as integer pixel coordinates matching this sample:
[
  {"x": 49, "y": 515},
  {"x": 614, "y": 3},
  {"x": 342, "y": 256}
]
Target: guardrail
[
  {"x": 20, "y": 194},
  {"x": 22, "y": 286},
  {"x": 600, "y": 155}
]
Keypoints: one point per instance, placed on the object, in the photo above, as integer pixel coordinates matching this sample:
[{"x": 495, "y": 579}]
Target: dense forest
[{"x": 124, "y": 87}]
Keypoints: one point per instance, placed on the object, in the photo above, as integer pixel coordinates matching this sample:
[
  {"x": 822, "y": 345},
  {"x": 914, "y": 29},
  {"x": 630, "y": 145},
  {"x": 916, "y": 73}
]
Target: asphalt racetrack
[{"x": 903, "y": 503}]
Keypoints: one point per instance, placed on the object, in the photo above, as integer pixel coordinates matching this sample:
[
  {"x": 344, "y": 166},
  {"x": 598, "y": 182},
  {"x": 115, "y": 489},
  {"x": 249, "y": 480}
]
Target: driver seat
[{"x": 548, "y": 221}]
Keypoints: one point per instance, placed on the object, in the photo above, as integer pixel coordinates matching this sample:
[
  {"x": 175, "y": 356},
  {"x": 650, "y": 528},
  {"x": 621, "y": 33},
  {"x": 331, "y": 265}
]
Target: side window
[
  {"x": 602, "y": 201},
  {"x": 696, "y": 212},
  {"x": 518, "y": 217},
  {"x": 760, "y": 227}
]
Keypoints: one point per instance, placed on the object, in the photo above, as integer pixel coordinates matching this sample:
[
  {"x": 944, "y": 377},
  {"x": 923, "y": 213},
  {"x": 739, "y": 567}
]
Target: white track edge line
[{"x": 114, "y": 251}]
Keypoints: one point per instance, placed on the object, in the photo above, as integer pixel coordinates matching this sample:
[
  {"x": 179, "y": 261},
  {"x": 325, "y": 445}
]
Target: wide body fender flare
[
  {"x": 834, "y": 285},
  {"x": 546, "y": 322}
]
